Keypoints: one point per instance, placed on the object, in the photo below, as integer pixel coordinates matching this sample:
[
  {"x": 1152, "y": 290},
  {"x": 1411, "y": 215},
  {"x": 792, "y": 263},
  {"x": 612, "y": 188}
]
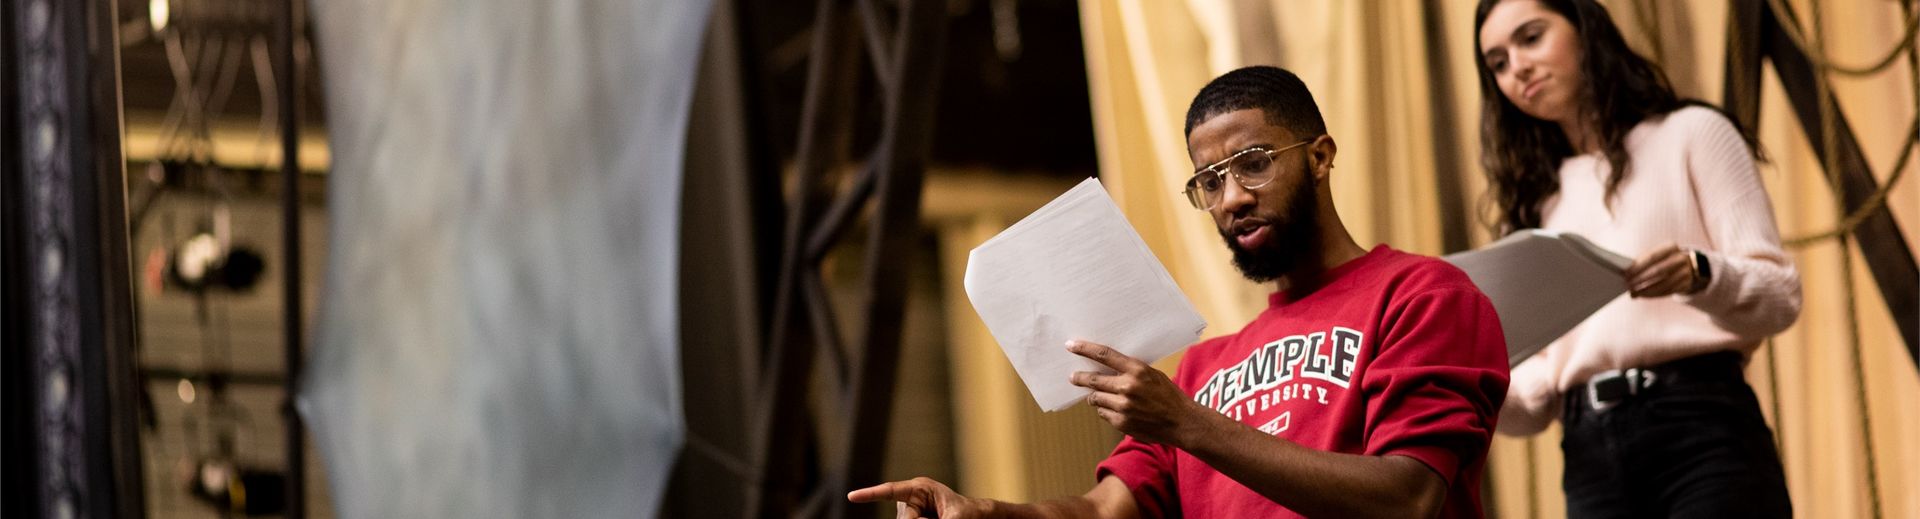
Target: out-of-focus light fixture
[
  {"x": 198, "y": 256},
  {"x": 157, "y": 13},
  {"x": 238, "y": 490},
  {"x": 186, "y": 391},
  {"x": 203, "y": 261}
]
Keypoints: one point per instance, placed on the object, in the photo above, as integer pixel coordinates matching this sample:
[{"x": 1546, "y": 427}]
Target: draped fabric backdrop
[
  {"x": 1398, "y": 88},
  {"x": 498, "y": 336}
]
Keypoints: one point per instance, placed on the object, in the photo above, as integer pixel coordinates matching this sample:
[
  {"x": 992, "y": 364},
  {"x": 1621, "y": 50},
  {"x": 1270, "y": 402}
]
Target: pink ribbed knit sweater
[{"x": 1692, "y": 183}]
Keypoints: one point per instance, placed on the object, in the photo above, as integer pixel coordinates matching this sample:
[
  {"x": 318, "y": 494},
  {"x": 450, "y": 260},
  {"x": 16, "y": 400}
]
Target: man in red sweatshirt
[{"x": 1369, "y": 386}]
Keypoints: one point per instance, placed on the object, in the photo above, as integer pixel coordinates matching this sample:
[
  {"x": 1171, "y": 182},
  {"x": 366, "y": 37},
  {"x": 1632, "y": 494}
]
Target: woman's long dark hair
[{"x": 1522, "y": 154}]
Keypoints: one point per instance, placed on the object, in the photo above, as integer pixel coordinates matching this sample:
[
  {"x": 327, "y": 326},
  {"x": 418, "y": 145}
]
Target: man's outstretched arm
[
  {"x": 923, "y": 497},
  {"x": 1143, "y": 403}
]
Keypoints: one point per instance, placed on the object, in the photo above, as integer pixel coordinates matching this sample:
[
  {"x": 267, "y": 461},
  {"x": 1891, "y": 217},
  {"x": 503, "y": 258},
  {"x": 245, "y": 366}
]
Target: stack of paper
[
  {"x": 1543, "y": 283},
  {"x": 1075, "y": 269}
]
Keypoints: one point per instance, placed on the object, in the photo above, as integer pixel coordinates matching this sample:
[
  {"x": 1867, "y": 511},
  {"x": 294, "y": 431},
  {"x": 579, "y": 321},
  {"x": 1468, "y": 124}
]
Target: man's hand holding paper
[{"x": 1136, "y": 398}]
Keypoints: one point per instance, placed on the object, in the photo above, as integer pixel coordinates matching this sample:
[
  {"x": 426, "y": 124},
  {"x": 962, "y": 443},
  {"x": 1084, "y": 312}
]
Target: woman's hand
[{"x": 1665, "y": 271}]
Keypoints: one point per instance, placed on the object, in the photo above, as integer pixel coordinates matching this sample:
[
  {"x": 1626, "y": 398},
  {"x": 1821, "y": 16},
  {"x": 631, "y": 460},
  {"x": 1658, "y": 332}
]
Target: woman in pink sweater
[{"x": 1580, "y": 134}]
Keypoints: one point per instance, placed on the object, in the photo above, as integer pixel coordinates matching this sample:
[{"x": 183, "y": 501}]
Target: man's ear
[{"x": 1323, "y": 150}]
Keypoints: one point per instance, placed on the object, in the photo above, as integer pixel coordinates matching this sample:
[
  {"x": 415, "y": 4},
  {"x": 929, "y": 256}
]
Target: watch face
[{"x": 1702, "y": 272}]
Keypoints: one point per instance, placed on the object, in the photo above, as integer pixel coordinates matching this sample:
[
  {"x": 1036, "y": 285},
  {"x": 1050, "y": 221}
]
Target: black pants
[{"x": 1692, "y": 445}]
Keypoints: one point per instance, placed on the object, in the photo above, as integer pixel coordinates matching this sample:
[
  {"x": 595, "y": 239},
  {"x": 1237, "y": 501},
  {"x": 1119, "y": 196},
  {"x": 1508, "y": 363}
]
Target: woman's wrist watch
[{"x": 1702, "y": 270}]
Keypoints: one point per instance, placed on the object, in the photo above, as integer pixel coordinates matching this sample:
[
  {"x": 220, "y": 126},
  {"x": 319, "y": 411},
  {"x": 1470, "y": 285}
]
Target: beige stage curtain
[{"x": 1400, "y": 97}]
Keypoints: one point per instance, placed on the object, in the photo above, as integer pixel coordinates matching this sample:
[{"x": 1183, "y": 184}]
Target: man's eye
[
  {"x": 1210, "y": 182},
  {"x": 1255, "y": 163}
]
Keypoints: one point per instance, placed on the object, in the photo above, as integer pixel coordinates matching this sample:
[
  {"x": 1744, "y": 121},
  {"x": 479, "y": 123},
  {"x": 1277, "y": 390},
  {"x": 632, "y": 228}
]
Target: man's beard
[{"x": 1290, "y": 238}]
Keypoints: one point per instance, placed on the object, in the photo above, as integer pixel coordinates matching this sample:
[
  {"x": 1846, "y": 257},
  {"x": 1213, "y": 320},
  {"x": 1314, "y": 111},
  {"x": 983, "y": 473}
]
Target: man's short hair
[{"x": 1273, "y": 90}]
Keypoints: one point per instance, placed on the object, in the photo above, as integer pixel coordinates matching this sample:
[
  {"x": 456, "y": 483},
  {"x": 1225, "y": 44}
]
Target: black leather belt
[{"x": 1608, "y": 388}]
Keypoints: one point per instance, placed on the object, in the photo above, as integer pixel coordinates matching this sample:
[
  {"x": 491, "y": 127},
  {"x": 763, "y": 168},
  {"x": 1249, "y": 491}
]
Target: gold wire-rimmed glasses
[{"x": 1251, "y": 167}]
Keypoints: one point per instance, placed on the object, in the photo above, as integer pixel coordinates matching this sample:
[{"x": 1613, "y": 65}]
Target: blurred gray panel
[{"x": 497, "y": 335}]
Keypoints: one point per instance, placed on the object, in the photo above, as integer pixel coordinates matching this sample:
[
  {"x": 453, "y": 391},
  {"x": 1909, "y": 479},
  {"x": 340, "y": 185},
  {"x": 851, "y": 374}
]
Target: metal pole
[{"x": 285, "y": 78}]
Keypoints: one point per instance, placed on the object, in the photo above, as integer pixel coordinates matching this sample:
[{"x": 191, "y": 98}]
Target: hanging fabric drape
[{"x": 498, "y": 332}]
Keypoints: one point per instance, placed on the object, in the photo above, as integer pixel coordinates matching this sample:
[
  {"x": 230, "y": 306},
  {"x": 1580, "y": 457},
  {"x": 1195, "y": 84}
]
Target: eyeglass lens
[{"x": 1252, "y": 170}]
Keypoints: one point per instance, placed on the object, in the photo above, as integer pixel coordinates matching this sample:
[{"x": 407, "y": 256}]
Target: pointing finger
[{"x": 876, "y": 493}]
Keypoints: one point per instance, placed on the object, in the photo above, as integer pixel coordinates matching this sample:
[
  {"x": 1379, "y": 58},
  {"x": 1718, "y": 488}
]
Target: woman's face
[{"x": 1534, "y": 54}]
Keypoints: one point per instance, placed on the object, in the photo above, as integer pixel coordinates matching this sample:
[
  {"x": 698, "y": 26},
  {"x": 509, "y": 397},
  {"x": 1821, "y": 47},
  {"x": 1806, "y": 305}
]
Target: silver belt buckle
[
  {"x": 1593, "y": 389},
  {"x": 1636, "y": 379}
]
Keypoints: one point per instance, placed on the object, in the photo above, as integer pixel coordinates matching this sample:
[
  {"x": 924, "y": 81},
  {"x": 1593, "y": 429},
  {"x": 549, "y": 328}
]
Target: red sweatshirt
[{"x": 1395, "y": 354}]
